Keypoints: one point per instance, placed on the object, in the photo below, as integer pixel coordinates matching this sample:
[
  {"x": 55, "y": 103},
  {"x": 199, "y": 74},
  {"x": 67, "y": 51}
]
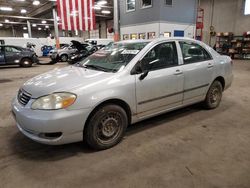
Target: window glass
[
  {"x": 130, "y": 5},
  {"x": 11, "y": 49},
  {"x": 193, "y": 53},
  {"x": 161, "y": 56},
  {"x": 169, "y": 2},
  {"x": 113, "y": 57},
  {"x": 15, "y": 49},
  {"x": 146, "y": 3},
  {"x": 247, "y": 7}
]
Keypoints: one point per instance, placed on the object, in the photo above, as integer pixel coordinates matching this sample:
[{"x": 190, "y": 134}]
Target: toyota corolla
[{"x": 124, "y": 83}]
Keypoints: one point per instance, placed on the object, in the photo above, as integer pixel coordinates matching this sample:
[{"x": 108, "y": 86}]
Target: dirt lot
[{"x": 191, "y": 147}]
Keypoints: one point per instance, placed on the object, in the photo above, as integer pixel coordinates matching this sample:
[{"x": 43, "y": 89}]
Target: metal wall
[
  {"x": 225, "y": 16},
  {"x": 182, "y": 11}
]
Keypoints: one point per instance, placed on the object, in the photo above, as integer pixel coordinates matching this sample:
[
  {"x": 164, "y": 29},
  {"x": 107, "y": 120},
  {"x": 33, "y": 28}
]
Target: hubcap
[
  {"x": 215, "y": 95},
  {"x": 109, "y": 127},
  {"x": 64, "y": 58}
]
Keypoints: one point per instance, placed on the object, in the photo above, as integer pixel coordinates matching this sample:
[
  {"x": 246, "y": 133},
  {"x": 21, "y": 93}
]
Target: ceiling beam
[{"x": 24, "y": 17}]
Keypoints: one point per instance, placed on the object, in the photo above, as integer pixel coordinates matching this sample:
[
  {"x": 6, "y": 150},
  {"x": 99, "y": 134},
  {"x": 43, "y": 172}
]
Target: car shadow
[{"x": 28, "y": 149}]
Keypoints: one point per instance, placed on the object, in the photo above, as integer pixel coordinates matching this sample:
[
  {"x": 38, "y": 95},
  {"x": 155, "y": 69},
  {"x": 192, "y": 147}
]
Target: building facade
[{"x": 147, "y": 19}]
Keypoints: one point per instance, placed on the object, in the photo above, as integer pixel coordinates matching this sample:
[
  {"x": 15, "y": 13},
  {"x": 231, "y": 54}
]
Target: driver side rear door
[{"x": 162, "y": 88}]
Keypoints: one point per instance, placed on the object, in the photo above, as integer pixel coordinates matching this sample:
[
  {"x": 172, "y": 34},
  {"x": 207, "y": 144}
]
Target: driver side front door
[{"x": 162, "y": 87}]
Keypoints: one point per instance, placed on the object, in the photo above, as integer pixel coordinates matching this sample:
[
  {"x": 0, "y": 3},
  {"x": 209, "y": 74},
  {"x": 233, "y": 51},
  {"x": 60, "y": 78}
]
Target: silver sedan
[{"x": 126, "y": 82}]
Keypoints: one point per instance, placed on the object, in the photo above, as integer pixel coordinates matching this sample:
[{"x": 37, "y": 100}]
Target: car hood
[{"x": 65, "y": 79}]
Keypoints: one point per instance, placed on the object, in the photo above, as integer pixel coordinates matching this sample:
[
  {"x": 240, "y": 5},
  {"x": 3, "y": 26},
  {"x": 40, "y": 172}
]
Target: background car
[
  {"x": 15, "y": 55},
  {"x": 65, "y": 53}
]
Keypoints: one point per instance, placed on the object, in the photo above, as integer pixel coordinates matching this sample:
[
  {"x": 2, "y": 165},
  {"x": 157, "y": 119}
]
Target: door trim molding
[{"x": 172, "y": 94}]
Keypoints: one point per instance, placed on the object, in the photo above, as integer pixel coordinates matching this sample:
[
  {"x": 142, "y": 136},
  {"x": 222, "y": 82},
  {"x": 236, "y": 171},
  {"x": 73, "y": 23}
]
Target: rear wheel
[
  {"x": 106, "y": 127},
  {"x": 26, "y": 62},
  {"x": 214, "y": 95},
  {"x": 64, "y": 58}
]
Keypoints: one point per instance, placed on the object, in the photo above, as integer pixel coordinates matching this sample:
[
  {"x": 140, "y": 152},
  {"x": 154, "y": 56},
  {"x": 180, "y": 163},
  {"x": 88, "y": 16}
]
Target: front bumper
[
  {"x": 35, "y": 59},
  {"x": 66, "y": 126},
  {"x": 54, "y": 57}
]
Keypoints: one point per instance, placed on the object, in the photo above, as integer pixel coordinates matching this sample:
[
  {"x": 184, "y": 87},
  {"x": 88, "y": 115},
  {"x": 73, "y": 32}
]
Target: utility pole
[
  {"x": 116, "y": 21},
  {"x": 29, "y": 29},
  {"x": 56, "y": 28}
]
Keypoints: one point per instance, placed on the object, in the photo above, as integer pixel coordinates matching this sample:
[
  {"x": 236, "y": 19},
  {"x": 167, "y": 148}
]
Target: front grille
[{"x": 23, "y": 97}]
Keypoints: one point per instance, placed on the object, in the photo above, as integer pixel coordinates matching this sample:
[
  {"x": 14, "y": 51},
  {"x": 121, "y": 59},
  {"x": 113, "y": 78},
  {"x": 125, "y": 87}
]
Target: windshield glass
[{"x": 113, "y": 57}]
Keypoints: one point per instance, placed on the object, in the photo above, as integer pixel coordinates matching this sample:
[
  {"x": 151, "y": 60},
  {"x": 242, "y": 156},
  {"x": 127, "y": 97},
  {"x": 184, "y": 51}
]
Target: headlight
[{"x": 54, "y": 101}]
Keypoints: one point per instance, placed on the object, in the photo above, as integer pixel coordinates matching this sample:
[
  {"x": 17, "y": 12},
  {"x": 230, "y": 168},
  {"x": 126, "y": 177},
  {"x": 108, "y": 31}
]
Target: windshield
[{"x": 113, "y": 57}]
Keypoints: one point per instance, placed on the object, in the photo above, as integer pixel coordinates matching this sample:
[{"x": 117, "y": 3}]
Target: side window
[
  {"x": 169, "y": 2},
  {"x": 8, "y": 49},
  {"x": 15, "y": 50},
  {"x": 130, "y": 5},
  {"x": 146, "y": 3},
  {"x": 11, "y": 49},
  {"x": 161, "y": 56},
  {"x": 193, "y": 53}
]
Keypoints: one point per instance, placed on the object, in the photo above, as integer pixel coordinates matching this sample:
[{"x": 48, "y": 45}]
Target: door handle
[
  {"x": 178, "y": 72},
  {"x": 210, "y": 65}
]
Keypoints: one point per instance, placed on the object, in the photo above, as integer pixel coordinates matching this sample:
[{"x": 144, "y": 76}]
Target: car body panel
[{"x": 160, "y": 91}]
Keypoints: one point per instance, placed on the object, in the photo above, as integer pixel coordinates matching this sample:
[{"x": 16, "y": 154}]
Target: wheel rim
[
  {"x": 109, "y": 127},
  {"x": 26, "y": 62},
  {"x": 64, "y": 58},
  {"x": 215, "y": 96}
]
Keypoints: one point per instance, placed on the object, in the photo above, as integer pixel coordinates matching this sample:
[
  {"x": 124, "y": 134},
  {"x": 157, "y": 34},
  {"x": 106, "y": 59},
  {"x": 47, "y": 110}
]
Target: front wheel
[
  {"x": 214, "y": 95},
  {"x": 64, "y": 58},
  {"x": 26, "y": 62},
  {"x": 106, "y": 127}
]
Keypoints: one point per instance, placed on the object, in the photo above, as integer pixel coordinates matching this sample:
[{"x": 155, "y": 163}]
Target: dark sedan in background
[{"x": 15, "y": 55}]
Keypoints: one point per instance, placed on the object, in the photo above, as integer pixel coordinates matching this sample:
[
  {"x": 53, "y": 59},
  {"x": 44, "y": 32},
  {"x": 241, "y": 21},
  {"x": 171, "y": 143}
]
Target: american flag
[{"x": 76, "y": 15}]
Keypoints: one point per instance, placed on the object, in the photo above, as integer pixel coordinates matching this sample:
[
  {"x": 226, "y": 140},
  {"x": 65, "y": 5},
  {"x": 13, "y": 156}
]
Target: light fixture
[
  {"x": 39, "y": 28},
  {"x": 46, "y": 26},
  {"x": 102, "y": 2},
  {"x": 1, "y": 24},
  {"x": 106, "y": 11},
  {"x": 7, "y": 21},
  {"x": 25, "y": 28},
  {"x": 96, "y": 7},
  {"x": 6, "y": 8},
  {"x": 36, "y": 2},
  {"x": 23, "y": 11},
  {"x": 44, "y": 22},
  {"x": 33, "y": 25}
]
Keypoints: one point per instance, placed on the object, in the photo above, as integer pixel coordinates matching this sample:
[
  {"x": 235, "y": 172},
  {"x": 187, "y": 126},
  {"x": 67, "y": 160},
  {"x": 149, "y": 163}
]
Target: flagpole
[
  {"x": 116, "y": 21},
  {"x": 56, "y": 28}
]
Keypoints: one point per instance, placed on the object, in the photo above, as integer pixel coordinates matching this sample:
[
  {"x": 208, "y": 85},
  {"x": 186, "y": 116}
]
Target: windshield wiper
[{"x": 96, "y": 68}]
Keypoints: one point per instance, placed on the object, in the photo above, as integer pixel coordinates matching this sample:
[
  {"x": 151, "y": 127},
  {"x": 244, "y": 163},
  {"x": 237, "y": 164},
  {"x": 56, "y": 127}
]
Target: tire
[
  {"x": 26, "y": 62},
  {"x": 214, "y": 95},
  {"x": 106, "y": 127},
  {"x": 64, "y": 58}
]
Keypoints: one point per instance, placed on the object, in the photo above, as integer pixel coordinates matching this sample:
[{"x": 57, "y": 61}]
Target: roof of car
[{"x": 156, "y": 40}]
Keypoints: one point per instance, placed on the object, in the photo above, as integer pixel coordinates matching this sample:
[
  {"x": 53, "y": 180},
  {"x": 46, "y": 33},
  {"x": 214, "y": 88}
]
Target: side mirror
[
  {"x": 137, "y": 69},
  {"x": 144, "y": 75}
]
